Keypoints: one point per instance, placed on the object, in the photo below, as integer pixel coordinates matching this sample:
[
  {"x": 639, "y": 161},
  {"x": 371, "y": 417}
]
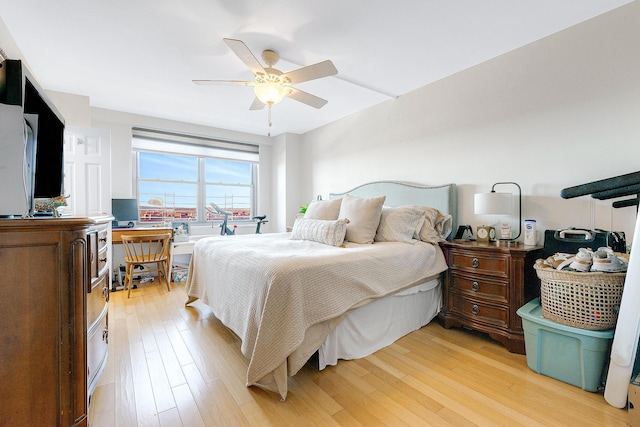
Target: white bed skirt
[{"x": 369, "y": 328}]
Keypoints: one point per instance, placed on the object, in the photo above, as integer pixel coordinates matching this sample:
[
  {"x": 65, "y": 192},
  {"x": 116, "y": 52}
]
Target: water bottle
[{"x": 530, "y": 232}]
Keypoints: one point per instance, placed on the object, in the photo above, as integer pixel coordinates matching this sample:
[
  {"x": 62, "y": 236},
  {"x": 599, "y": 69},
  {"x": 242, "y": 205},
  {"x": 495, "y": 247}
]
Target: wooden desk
[{"x": 117, "y": 232}]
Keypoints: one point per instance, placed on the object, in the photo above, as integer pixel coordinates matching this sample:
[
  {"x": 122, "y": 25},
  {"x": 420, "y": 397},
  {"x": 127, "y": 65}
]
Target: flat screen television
[
  {"x": 31, "y": 142},
  {"x": 49, "y": 177},
  {"x": 125, "y": 212}
]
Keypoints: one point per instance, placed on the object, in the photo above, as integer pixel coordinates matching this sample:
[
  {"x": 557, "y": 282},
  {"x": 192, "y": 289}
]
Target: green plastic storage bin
[{"x": 573, "y": 355}]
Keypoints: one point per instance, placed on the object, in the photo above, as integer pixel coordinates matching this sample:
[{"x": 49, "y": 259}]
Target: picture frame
[{"x": 180, "y": 231}]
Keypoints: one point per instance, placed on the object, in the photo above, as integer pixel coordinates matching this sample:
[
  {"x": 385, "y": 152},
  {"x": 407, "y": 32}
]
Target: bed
[{"x": 288, "y": 296}]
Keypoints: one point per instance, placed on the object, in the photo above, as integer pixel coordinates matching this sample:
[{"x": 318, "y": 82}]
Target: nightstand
[
  {"x": 485, "y": 285},
  {"x": 179, "y": 248}
]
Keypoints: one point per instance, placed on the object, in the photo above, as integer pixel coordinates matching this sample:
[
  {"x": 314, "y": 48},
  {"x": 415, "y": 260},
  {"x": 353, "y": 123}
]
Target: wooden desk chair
[{"x": 142, "y": 249}]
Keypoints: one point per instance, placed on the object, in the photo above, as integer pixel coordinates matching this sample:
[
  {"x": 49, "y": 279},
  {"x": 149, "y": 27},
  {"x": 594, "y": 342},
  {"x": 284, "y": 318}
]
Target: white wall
[
  {"x": 559, "y": 112},
  {"x": 286, "y": 179},
  {"x": 74, "y": 108}
]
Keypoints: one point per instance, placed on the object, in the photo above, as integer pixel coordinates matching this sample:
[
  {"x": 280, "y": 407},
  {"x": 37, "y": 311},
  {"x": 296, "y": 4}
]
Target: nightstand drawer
[
  {"x": 478, "y": 311},
  {"x": 481, "y": 262},
  {"x": 481, "y": 286}
]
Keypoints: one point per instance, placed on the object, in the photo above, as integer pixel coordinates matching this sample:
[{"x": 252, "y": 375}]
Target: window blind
[{"x": 175, "y": 143}]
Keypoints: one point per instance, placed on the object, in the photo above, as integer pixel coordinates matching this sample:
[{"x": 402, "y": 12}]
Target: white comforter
[{"x": 282, "y": 297}]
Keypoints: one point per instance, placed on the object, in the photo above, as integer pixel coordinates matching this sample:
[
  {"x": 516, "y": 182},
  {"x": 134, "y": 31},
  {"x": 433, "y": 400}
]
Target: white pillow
[
  {"x": 364, "y": 217},
  {"x": 399, "y": 224},
  {"x": 319, "y": 230},
  {"x": 323, "y": 209},
  {"x": 436, "y": 227}
]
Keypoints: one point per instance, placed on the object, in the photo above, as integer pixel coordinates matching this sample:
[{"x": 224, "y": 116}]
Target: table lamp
[{"x": 494, "y": 203}]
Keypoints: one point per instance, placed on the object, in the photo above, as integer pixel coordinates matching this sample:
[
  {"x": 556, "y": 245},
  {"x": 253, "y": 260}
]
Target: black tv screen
[
  {"x": 49, "y": 176},
  {"x": 17, "y": 87}
]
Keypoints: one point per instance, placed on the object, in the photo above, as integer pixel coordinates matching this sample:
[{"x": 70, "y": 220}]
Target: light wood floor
[{"x": 172, "y": 365}]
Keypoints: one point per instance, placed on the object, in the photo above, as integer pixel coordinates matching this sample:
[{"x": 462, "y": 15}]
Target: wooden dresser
[
  {"x": 484, "y": 287},
  {"x": 43, "y": 321}
]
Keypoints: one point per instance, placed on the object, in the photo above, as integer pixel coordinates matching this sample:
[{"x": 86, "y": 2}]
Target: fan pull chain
[{"x": 269, "y": 130}]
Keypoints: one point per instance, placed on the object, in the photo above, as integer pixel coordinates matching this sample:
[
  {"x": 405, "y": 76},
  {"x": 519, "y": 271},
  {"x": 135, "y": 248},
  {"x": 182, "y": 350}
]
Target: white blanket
[{"x": 282, "y": 297}]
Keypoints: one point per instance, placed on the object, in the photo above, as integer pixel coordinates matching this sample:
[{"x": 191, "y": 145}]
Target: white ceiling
[{"x": 139, "y": 56}]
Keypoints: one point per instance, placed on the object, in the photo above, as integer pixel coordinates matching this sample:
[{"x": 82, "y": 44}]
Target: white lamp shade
[
  {"x": 492, "y": 203},
  {"x": 270, "y": 92}
]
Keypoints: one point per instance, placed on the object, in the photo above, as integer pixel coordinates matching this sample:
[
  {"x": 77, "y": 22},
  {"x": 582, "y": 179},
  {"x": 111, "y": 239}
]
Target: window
[{"x": 178, "y": 176}]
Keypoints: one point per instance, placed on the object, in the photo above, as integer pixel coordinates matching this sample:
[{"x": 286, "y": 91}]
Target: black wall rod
[{"x": 610, "y": 184}]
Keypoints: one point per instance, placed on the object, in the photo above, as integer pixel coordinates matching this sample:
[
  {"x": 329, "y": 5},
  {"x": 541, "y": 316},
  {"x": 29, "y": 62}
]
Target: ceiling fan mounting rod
[{"x": 270, "y": 57}]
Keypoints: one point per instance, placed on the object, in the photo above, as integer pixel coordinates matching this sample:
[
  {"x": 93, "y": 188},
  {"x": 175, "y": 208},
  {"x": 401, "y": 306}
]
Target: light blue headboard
[{"x": 442, "y": 197}]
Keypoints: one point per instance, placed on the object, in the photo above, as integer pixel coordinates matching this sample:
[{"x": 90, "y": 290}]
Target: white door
[{"x": 87, "y": 170}]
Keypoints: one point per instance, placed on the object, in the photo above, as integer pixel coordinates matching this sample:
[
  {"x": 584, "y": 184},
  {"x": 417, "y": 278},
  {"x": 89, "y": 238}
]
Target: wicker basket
[{"x": 582, "y": 300}]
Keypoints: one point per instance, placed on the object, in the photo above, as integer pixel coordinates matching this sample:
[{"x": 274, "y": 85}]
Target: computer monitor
[{"x": 125, "y": 212}]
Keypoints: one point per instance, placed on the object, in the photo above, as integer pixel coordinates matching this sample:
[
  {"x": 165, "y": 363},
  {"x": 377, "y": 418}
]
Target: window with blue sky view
[{"x": 176, "y": 186}]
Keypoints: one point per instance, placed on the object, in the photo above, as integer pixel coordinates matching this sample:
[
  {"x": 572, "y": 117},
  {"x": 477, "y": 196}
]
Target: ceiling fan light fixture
[{"x": 270, "y": 89}]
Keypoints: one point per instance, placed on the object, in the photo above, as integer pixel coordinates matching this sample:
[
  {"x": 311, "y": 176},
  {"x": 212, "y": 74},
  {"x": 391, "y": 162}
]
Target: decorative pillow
[
  {"x": 323, "y": 209},
  {"x": 399, "y": 224},
  {"x": 319, "y": 230},
  {"x": 364, "y": 217},
  {"x": 436, "y": 226}
]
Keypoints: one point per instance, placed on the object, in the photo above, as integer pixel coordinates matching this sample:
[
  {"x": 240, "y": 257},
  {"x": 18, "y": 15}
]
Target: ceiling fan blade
[
  {"x": 257, "y": 105},
  {"x": 311, "y": 72},
  {"x": 306, "y": 98},
  {"x": 242, "y": 51},
  {"x": 223, "y": 82}
]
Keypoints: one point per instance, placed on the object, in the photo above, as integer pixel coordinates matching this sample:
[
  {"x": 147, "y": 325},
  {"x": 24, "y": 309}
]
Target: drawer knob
[
  {"x": 475, "y": 263},
  {"x": 474, "y": 309},
  {"x": 475, "y": 286}
]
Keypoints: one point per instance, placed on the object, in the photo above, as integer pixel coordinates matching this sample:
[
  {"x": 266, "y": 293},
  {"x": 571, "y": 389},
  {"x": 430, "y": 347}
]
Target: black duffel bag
[{"x": 569, "y": 240}]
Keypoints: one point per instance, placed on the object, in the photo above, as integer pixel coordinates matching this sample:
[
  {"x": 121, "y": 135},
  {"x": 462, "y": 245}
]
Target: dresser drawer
[
  {"x": 479, "y": 311},
  {"x": 488, "y": 263},
  {"x": 98, "y": 250},
  {"x": 97, "y": 299},
  {"x": 486, "y": 287},
  {"x": 102, "y": 260},
  {"x": 97, "y": 350},
  {"x": 102, "y": 237}
]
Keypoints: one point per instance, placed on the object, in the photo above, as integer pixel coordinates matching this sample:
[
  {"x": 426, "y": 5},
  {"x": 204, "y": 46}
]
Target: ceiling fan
[{"x": 271, "y": 85}]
